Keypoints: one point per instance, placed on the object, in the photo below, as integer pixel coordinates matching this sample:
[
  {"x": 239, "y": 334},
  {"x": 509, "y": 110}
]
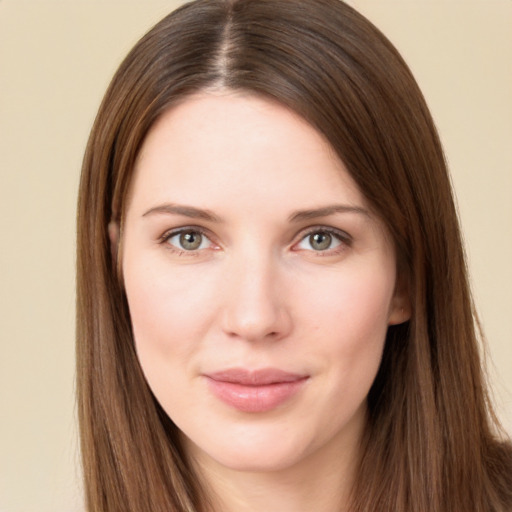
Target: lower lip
[{"x": 255, "y": 398}]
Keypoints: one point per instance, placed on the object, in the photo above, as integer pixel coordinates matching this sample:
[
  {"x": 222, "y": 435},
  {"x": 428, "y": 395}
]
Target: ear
[
  {"x": 113, "y": 235},
  {"x": 400, "y": 310}
]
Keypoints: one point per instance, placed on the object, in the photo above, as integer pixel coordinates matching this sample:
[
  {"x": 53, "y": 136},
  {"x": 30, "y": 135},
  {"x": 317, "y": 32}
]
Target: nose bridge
[{"x": 254, "y": 302}]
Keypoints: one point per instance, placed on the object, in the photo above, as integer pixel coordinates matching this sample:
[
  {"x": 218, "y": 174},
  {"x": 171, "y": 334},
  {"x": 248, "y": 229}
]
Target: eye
[
  {"x": 188, "y": 240},
  {"x": 323, "y": 240}
]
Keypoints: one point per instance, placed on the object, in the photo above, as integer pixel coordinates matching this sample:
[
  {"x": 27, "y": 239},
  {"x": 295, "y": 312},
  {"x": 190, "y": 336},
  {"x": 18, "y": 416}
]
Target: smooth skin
[{"x": 246, "y": 244}]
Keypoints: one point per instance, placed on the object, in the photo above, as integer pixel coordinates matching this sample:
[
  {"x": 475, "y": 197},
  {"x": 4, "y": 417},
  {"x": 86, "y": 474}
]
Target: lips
[{"x": 255, "y": 391}]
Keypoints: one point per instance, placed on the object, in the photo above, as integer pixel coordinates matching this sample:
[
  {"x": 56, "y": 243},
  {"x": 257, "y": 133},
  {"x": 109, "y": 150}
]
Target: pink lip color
[{"x": 254, "y": 391}]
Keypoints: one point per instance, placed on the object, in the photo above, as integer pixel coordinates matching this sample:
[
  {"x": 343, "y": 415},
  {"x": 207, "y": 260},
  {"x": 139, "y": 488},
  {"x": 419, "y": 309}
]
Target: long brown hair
[{"x": 431, "y": 441}]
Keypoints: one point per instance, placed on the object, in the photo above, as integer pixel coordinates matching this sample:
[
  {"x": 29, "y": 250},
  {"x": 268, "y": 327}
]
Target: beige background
[{"x": 56, "y": 58}]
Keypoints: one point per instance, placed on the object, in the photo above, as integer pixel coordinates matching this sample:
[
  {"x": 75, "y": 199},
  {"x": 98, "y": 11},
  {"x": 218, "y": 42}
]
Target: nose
[{"x": 254, "y": 301}]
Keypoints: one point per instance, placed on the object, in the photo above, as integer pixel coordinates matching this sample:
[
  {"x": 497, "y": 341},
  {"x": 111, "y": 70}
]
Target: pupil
[
  {"x": 320, "y": 241},
  {"x": 190, "y": 240}
]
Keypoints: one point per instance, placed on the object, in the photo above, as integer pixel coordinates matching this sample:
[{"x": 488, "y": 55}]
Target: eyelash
[
  {"x": 164, "y": 239},
  {"x": 344, "y": 239}
]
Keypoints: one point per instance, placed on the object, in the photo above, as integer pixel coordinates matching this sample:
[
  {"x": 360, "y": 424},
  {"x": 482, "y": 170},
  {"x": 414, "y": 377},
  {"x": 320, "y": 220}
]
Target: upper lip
[{"x": 259, "y": 377}]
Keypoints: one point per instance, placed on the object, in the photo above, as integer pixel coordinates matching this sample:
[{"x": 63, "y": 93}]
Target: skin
[{"x": 256, "y": 293}]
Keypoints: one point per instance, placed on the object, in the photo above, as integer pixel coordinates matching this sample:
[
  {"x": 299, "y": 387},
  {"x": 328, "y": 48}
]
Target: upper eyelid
[
  {"x": 326, "y": 229},
  {"x": 176, "y": 231}
]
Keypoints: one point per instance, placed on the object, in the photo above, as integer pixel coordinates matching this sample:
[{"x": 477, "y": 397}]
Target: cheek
[
  {"x": 349, "y": 321},
  {"x": 354, "y": 303},
  {"x": 170, "y": 314}
]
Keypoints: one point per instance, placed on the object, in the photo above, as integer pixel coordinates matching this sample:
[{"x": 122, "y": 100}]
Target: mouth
[{"x": 255, "y": 391}]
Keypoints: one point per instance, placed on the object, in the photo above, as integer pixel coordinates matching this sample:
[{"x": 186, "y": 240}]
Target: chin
[
  {"x": 252, "y": 449},
  {"x": 257, "y": 461}
]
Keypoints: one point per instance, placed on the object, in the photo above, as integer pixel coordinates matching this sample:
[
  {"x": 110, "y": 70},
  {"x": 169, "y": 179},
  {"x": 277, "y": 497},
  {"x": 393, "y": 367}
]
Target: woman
[{"x": 273, "y": 308}]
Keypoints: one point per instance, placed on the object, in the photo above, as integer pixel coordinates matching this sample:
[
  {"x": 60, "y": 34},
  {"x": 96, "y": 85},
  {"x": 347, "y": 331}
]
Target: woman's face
[{"x": 260, "y": 285}]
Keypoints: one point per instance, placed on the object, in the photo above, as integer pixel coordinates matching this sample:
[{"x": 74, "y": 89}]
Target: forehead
[{"x": 223, "y": 146}]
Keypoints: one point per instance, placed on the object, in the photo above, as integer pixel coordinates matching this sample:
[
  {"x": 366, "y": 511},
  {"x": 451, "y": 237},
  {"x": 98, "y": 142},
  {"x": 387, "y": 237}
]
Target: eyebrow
[
  {"x": 186, "y": 211},
  {"x": 325, "y": 211},
  {"x": 297, "y": 216}
]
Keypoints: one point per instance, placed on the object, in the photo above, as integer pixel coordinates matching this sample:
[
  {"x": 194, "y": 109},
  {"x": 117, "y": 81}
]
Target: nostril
[{"x": 271, "y": 335}]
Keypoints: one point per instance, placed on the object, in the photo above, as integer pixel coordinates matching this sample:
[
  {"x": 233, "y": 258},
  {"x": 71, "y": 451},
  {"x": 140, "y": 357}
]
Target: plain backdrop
[{"x": 56, "y": 59}]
